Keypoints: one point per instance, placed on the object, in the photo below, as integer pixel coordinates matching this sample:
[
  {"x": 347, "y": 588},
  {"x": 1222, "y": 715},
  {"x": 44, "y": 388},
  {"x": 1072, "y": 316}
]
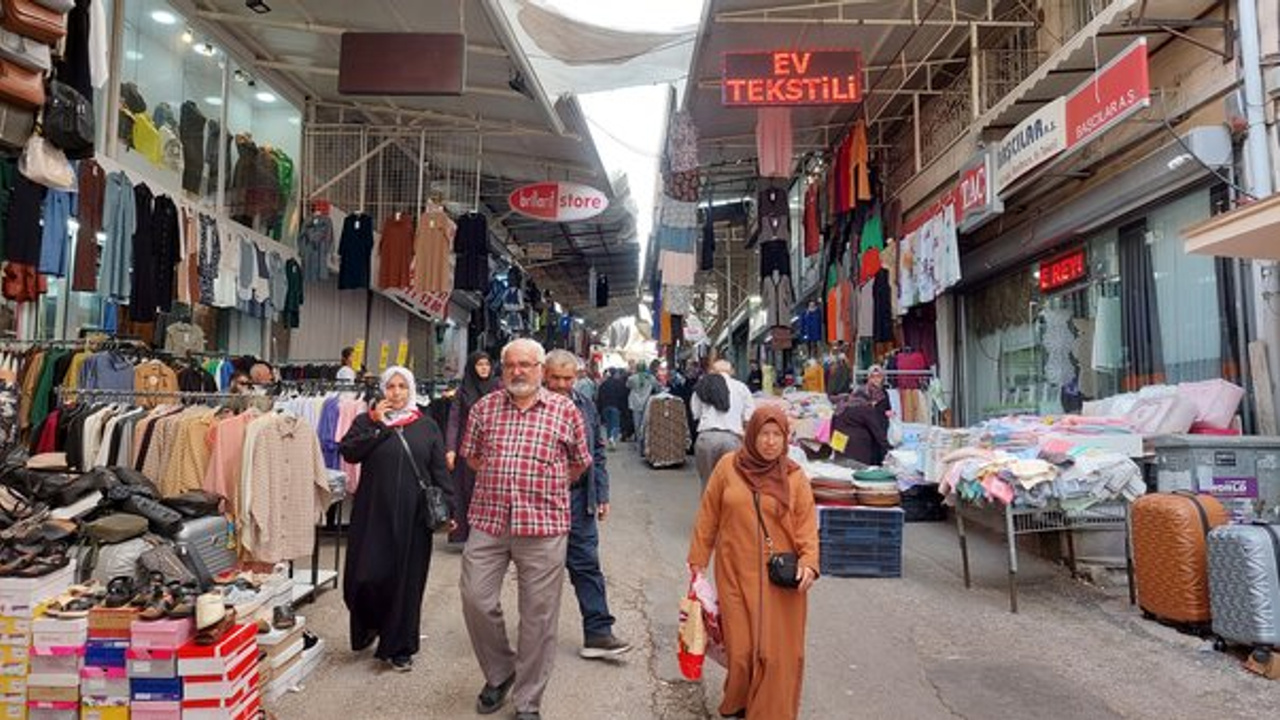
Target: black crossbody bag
[
  {"x": 783, "y": 567},
  {"x": 437, "y": 508}
]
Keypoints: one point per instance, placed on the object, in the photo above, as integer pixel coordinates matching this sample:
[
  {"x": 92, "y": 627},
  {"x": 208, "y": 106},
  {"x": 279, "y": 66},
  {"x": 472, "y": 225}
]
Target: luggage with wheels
[
  {"x": 1170, "y": 559},
  {"x": 666, "y": 432},
  {"x": 1244, "y": 584},
  {"x": 210, "y": 539}
]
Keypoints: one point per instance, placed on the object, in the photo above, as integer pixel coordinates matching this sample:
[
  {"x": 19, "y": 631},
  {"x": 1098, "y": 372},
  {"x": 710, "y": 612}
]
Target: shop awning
[
  {"x": 1252, "y": 231},
  {"x": 527, "y": 134}
]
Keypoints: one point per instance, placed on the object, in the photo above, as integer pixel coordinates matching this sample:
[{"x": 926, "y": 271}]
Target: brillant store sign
[
  {"x": 558, "y": 201},
  {"x": 791, "y": 78},
  {"x": 1119, "y": 89}
]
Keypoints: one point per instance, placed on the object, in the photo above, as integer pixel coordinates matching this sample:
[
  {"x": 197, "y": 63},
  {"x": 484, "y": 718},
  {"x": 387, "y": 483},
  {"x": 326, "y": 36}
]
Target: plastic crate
[
  {"x": 845, "y": 558},
  {"x": 923, "y": 503},
  {"x": 861, "y": 525}
]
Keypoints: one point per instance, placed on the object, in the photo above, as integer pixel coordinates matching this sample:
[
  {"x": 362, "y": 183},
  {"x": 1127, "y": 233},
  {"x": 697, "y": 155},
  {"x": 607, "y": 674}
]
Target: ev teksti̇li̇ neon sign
[{"x": 791, "y": 78}]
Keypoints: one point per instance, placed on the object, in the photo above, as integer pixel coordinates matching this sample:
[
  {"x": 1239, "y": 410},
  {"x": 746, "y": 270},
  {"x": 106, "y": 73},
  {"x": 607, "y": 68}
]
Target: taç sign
[{"x": 558, "y": 201}]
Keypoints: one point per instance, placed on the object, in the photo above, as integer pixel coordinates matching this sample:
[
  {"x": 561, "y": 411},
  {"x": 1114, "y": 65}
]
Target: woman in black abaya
[
  {"x": 477, "y": 381},
  {"x": 389, "y": 552}
]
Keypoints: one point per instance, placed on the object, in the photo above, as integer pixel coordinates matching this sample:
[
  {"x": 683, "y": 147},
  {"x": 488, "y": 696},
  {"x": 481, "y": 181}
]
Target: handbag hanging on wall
[
  {"x": 67, "y": 121},
  {"x": 45, "y": 164}
]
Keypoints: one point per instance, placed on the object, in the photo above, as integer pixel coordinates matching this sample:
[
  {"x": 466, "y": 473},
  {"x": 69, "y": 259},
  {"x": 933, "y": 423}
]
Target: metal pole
[
  {"x": 220, "y": 193},
  {"x": 113, "y": 82}
]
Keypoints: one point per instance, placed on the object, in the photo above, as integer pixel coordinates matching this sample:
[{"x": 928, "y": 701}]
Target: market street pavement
[{"x": 916, "y": 647}]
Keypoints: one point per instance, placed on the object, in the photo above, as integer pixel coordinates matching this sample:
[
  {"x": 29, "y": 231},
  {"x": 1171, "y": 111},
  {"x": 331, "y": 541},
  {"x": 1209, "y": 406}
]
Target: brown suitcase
[
  {"x": 32, "y": 20},
  {"x": 1170, "y": 554},
  {"x": 20, "y": 86}
]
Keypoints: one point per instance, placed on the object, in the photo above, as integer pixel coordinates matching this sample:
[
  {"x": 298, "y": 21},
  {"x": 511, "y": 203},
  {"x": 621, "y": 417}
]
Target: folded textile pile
[{"x": 1072, "y": 482}]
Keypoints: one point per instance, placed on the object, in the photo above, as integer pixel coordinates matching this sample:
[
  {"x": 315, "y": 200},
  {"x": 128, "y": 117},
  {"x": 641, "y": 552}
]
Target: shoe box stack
[
  {"x": 221, "y": 681},
  {"x": 104, "y": 681},
  {"x": 57, "y": 655},
  {"x": 154, "y": 684},
  {"x": 20, "y": 602}
]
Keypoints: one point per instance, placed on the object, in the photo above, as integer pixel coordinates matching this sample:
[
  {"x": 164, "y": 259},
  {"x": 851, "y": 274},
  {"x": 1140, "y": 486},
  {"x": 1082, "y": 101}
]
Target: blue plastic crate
[
  {"x": 860, "y": 517},
  {"x": 868, "y": 534},
  {"x": 842, "y": 568}
]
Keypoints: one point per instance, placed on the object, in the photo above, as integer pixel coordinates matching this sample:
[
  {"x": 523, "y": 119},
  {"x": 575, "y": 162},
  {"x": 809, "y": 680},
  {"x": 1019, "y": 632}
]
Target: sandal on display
[
  {"x": 120, "y": 592},
  {"x": 283, "y": 617},
  {"x": 184, "y": 599}
]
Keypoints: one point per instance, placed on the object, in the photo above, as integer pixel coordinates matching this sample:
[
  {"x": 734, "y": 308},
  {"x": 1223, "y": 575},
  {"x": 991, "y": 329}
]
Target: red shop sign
[
  {"x": 1063, "y": 270},
  {"x": 790, "y": 78},
  {"x": 1121, "y": 88},
  {"x": 558, "y": 201}
]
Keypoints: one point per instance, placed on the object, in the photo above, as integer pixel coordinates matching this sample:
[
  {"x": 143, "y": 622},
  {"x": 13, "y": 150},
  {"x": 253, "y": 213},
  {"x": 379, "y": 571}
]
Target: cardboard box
[
  {"x": 40, "y": 693},
  {"x": 204, "y": 660},
  {"x": 161, "y": 634},
  {"x": 146, "y": 664}
]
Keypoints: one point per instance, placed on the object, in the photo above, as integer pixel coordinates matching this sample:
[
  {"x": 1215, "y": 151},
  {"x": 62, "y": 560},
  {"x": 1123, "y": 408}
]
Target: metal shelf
[{"x": 1112, "y": 515}]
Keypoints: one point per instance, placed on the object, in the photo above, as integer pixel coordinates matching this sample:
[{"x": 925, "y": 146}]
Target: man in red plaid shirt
[{"x": 525, "y": 444}]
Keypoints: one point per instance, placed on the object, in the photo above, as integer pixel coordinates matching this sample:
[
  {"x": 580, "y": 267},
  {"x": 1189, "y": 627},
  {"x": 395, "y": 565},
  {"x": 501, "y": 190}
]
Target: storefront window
[
  {"x": 171, "y": 97},
  {"x": 1144, "y": 313},
  {"x": 266, "y": 140}
]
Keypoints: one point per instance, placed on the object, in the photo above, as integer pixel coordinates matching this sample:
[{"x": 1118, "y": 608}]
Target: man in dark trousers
[
  {"x": 612, "y": 399},
  {"x": 589, "y": 503}
]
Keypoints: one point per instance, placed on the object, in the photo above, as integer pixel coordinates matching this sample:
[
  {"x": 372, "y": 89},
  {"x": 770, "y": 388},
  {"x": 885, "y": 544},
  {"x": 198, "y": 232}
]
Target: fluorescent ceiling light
[
  {"x": 295, "y": 120},
  {"x": 213, "y": 100},
  {"x": 164, "y": 17},
  {"x": 265, "y": 97},
  {"x": 132, "y": 55}
]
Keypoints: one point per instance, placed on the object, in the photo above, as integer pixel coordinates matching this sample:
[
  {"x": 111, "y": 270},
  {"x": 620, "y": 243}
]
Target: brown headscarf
[{"x": 766, "y": 476}]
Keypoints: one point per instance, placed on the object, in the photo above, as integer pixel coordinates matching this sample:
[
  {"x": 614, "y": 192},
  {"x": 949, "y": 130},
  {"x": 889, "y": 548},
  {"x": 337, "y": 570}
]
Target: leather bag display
[
  {"x": 1170, "y": 556},
  {"x": 23, "y": 51},
  {"x": 44, "y": 163},
  {"x": 20, "y": 86},
  {"x": 29, "y": 18},
  {"x": 68, "y": 120}
]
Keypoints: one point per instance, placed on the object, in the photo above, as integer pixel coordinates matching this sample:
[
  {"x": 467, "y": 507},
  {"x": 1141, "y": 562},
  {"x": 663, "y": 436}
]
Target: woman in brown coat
[{"x": 763, "y": 623}]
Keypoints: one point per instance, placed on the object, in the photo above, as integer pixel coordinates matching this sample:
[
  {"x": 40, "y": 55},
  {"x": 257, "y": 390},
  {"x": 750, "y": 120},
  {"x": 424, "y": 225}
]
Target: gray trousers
[
  {"x": 710, "y": 447},
  {"x": 540, "y": 563}
]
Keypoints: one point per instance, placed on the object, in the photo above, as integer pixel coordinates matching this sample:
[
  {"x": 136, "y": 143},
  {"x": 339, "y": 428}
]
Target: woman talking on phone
[{"x": 389, "y": 552}]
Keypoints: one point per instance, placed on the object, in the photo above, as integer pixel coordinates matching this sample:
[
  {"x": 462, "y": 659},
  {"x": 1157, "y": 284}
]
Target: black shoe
[
  {"x": 401, "y": 663},
  {"x": 492, "y": 698},
  {"x": 529, "y": 715},
  {"x": 604, "y": 646}
]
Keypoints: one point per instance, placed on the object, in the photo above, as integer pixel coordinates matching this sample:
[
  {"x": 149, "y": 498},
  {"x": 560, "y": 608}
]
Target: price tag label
[
  {"x": 384, "y": 356},
  {"x": 402, "y": 353}
]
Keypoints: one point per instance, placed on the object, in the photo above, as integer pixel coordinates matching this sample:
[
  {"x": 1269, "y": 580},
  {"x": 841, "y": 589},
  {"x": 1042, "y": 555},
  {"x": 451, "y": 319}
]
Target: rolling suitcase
[
  {"x": 1169, "y": 556},
  {"x": 209, "y": 538},
  {"x": 666, "y": 432},
  {"x": 1244, "y": 584}
]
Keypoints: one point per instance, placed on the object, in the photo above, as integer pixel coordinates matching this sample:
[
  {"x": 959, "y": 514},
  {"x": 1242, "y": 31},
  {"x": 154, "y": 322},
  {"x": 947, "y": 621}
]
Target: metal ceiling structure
[{"x": 522, "y": 135}]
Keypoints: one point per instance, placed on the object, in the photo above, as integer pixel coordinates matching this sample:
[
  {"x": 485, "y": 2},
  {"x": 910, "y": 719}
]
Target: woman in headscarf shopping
[
  {"x": 758, "y": 502},
  {"x": 478, "y": 380},
  {"x": 389, "y": 551}
]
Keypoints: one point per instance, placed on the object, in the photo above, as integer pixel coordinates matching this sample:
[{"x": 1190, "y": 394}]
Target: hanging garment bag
[
  {"x": 1244, "y": 584},
  {"x": 1170, "y": 559}
]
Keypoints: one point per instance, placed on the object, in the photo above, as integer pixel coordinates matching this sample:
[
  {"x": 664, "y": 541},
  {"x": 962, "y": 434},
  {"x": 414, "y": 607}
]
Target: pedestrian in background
[
  {"x": 722, "y": 405},
  {"x": 588, "y": 506},
  {"x": 757, "y": 493},
  {"x": 612, "y": 401},
  {"x": 584, "y": 385},
  {"x": 478, "y": 380},
  {"x": 347, "y": 373},
  {"x": 526, "y": 444},
  {"x": 642, "y": 385},
  {"x": 389, "y": 550}
]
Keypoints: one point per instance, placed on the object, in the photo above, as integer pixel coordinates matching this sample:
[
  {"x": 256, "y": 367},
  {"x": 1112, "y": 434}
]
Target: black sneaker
[
  {"x": 492, "y": 698},
  {"x": 604, "y": 646},
  {"x": 401, "y": 663}
]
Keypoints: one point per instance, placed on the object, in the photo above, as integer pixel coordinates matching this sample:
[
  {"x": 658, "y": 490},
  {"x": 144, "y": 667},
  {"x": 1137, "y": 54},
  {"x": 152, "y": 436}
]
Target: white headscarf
[{"x": 407, "y": 374}]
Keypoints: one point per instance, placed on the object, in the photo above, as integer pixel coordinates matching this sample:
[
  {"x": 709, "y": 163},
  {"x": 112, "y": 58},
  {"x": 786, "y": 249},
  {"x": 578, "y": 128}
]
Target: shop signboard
[
  {"x": 539, "y": 251},
  {"x": 1121, "y": 88},
  {"x": 558, "y": 201},
  {"x": 1042, "y": 135},
  {"x": 975, "y": 195},
  {"x": 791, "y": 78},
  {"x": 1064, "y": 270}
]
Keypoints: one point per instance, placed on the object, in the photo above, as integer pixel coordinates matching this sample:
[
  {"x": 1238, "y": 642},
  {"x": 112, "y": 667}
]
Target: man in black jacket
[{"x": 612, "y": 400}]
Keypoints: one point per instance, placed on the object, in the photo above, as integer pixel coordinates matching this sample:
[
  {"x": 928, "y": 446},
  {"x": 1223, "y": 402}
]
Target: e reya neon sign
[{"x": 791, "y": 78}]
